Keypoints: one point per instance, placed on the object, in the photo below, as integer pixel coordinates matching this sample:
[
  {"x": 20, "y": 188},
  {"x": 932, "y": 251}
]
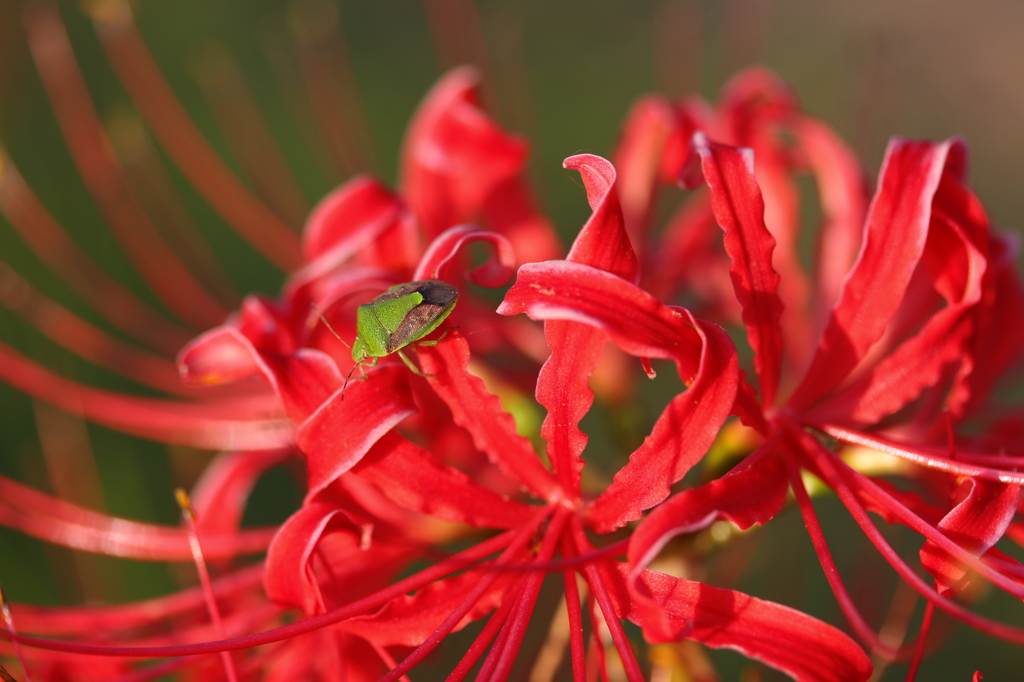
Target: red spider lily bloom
[
  {"x": 587, "y": 300},
  {"x": 910, "y": 344},
  {"x": 373, "y": 491}
]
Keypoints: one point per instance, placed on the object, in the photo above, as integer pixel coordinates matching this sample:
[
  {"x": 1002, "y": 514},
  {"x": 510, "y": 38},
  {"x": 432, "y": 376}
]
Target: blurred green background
[{"x": 564, "y": 73}]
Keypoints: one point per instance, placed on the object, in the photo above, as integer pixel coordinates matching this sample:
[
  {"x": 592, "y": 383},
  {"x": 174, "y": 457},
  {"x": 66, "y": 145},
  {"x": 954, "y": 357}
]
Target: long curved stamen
[
  {"x": 330, "y": 84},
  {"x": 189, "y": 518},
  {"x": 183, "y": 142},
  {"x": 248, "y": 134},
  {"x": 103, "y": 176},
  {"x": 85, "y": 340},
  {"x": 5, "y": 611},
  {"x": 611, "y": 619},
  {"x": 108, "y": 297}
]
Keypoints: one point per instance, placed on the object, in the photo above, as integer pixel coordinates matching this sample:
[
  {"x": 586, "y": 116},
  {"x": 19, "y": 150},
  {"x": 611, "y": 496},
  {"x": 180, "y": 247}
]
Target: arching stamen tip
[
  {"x": 184, "y": 502},
  {"x": 5, "y": 607},
  {"x": 109, "y": 13}
]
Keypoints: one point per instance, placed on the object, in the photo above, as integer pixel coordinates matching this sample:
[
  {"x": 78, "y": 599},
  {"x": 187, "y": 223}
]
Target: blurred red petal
[
  {"x": 442, "y": 252},
  {"x": 348, "y": 218}
]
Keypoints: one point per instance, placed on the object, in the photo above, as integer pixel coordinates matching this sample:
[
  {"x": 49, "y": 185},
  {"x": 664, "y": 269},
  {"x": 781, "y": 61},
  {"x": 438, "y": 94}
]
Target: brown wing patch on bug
[
  {"x": 437, "y": 296},
  {"x": 417, "y": 318},
  {"x": 399, "y": 290}
]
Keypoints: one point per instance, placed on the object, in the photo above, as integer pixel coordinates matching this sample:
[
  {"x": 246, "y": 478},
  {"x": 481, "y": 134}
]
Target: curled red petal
[
  {"x": 219, "y": 356},
  {"x": 344, "y": 428},
  {"x": 780, "y": 637},
  {"x": 441, "y": 253},
  {"x": 637, "y": 322},
  {"x": 415, "y": 479},
  {"x": 739, "y": 209},
  {"x": 894, "y": 240},
  {"x": 603, "y": 242},
  {"x": 753, "y": 494},
  {"x": 976, "y": 523},
  {"x": 480, "y": 413},
  {"x": 290, "y": 579},
  {"x": 681, "y": 436}
]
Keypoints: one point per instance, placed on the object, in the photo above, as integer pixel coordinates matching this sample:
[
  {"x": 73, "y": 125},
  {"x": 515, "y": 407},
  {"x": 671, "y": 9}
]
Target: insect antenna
[
  {"x": 347, "y": 377},
  {"x": 329, "y": 327}
]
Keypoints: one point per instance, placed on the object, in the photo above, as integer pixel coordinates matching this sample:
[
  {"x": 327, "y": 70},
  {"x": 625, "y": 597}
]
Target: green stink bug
[{"x": 400, "y": 316}]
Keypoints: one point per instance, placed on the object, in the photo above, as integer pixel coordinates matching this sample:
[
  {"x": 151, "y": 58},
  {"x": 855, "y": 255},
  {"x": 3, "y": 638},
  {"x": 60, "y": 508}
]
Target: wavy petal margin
[{"x": 739, "y": 210}]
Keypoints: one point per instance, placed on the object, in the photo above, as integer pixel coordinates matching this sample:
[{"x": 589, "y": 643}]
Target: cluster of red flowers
[{"x": 428, "y": 509}]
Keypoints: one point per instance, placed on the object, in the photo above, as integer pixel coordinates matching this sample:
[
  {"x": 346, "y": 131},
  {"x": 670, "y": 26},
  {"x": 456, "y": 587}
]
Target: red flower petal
[
  {"x": 219, "y": 496},
  {"x": 347, "y": 425},
  {"x": 739, "y": 210},
  {"x": 237, "y": 424},
  {"x": 348, "y": 218},
  {"x": 783, "y": 638},
  {"x": 976, "y": 523},
  {"x": 441, "y": 253},
  {"x": 563, "y": 384},
  {"x": 603, "y": 242},
  {"x": 681, "y": 436},
  {"x": 454, "y": 154},
  {"x": 479, "y": 412},
  {"x": 921, "y": 361},
  {"x": 415, "y": 479},
  {"x": 842, "y": 193},
  {"x": 1000, "y": 328},
  {"x": 894, "y": 241},
  {"x": 323, "y": 527},
  {"x": 753, "y": 494},
  {"x": 638, "y": 156},
  {"x": 221, "y": 355},
  {"x": 637, "y": 322},
  {"x": 62, "y": 523},
  {"x": 410, "y": 619}
]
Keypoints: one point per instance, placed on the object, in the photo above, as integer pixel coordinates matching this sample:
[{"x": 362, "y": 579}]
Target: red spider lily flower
[
  {"x": 373, "y": 491},
  {"x": 587, "y": 300},
  {"x": 904, "y": 348}
]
